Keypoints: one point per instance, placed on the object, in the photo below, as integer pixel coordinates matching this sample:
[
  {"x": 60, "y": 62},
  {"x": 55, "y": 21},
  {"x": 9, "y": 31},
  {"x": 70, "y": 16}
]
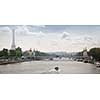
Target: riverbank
[
  {"x": 9, "y": 62},
  {"x": 12, "y": 61}
]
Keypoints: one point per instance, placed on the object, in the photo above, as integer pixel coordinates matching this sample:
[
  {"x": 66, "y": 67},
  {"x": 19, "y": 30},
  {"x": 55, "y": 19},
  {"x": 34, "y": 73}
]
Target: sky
[{"x": 50, "y": 38}]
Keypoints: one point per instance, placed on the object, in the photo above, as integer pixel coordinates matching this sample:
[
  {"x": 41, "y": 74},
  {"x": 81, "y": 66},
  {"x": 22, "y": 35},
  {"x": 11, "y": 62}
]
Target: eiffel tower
[{"x": 13, "y": 46}]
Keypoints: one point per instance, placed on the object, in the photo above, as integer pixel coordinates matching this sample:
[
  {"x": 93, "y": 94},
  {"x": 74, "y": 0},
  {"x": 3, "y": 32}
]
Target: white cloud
[
  {"x": 88, "y": 38},
  {"x": 54, "y": 43},
  {"x": 43, "y": 26},
  {"x": 65, "y": 35},
  {"x": 5, "y": 29},
  {"x": 85, "y": 41},
  {"x": 25, "y": 31}
]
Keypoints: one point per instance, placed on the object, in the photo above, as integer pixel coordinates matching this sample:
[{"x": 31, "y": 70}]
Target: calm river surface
[{"x": 40, "y": 67}]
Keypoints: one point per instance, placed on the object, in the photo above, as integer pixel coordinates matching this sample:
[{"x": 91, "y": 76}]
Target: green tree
[
  {"x": 12, "y": 53},
  {"x": 95, "y": 53},
  {"x": 1, "y": 53},
  {"x": 18, "y": 52},
  {"x": 4, "y": 53}
]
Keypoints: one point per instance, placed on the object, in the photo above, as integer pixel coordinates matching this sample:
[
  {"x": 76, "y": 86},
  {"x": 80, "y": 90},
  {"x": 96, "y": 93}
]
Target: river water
[{"x": 44, "y": 67}]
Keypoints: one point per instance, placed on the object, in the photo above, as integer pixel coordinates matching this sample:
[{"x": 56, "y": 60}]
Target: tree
[
  {"x": 12, "y": 53},
  {"x": 1, "y": 53},
  {"x": 95, "y": 53},
  {"x": 4, "y": 53},
  {"x": 18, "y": 52}
]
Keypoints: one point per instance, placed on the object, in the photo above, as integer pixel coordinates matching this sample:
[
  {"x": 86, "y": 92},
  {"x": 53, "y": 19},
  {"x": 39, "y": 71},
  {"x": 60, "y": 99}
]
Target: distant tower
[{"x": 13, "y": 46}]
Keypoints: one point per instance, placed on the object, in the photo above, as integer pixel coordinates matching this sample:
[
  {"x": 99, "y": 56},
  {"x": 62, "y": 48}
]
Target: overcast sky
[{"x": 69, "y": 38}]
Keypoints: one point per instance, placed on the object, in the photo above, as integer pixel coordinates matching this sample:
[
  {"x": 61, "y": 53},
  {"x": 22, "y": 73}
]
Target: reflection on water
[{"x": 47, "y": 67}]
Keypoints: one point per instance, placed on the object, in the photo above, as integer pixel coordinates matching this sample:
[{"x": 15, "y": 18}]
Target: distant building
[
  {"x": 85, "y": 55},
  {"x": 30, "y": 52}
]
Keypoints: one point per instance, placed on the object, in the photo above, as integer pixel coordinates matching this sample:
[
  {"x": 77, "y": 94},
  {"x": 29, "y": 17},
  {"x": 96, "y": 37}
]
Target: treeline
[
  {"x": 93, "y": 53},
  {"x": 5, "y": 53},
  {"x": 18, "y": 53}
]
